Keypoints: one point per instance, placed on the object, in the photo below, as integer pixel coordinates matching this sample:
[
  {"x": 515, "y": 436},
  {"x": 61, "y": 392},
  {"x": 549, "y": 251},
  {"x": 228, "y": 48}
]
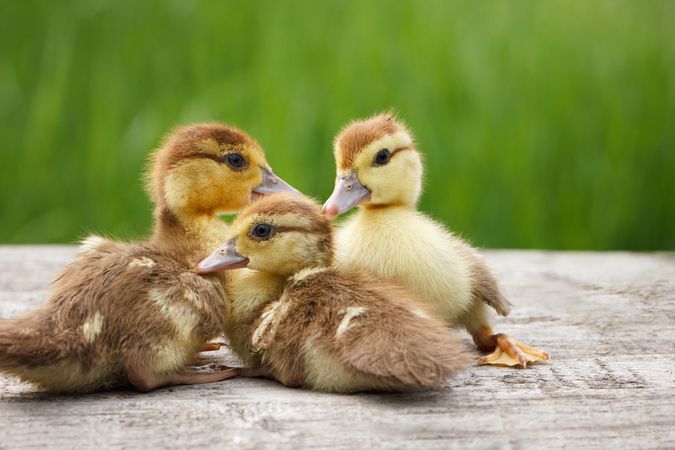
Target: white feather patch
[
  {"x": 350, "y": 313},
  {"x": 268, "y": 324},
  {"x": 92, "y": 327},
  {"x": 304, "y": 273},
  {"x": 142, "y": 262},
  {"x": 182, "y": 317}
]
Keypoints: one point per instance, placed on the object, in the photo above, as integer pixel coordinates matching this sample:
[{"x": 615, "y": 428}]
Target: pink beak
[
  {"x": 225, "y": 258},
  {"x": 272, "y": 183},
  {"x": 348, "y": 193}
]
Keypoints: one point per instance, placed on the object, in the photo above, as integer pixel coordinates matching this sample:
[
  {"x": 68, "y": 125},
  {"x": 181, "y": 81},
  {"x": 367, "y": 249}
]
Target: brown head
[
  {"x": 280, "y": 234},
  {"x": 210, "y": 168},
  {"x": 377, "y": 165}
]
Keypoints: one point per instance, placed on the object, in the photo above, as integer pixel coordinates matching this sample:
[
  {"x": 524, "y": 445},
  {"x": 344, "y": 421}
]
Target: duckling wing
[
  {"x": 265, "y": 328},
  {"x": 386, "y": 333},
  {"x": 486, "y": 289},
  {"x": 412, "y": 348},
  {"x": 373, "y": 328},
  {"x": 484, "y": 286}
]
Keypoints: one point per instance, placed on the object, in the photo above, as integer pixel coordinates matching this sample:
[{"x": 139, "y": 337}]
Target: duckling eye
[
  {"x": 261, "y": 231},
  {"x": 382, "y": 157},
  {"x": 235, "y": 160}
]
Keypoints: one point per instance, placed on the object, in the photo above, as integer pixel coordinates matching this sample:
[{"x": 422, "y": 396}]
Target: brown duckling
[
  {"x": 312, "y": 326},
  {"x": 380, "y": 169},
  {"x": 137, "y": 312}
]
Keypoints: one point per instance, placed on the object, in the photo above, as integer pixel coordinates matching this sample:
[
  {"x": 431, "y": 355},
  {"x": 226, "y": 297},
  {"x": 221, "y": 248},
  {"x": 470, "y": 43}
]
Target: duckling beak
[
  {"x": 225, "y": 258},
  {"x": 272, "y": 183},
  {"x": 348, "y": 193}
]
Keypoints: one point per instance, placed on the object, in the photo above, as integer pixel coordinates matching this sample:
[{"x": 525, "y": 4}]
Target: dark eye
[
  {"x": 236, "y": 160},
  {"x": 261, "y": 231},
  {"x": 382, "y": 157}
]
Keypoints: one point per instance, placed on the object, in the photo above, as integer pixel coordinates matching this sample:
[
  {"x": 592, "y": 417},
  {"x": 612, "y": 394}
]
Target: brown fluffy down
[
  {"x": 28, "y": 341},
  {"x": 396, "y": 344}
]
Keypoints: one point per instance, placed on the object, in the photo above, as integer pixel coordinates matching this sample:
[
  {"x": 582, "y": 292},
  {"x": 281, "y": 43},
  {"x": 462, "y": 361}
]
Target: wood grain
[{"x": 606, "y": 318}]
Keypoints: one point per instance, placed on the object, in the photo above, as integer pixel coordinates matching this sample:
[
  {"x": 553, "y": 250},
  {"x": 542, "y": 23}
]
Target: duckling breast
[{"x": 411, "y": 249}]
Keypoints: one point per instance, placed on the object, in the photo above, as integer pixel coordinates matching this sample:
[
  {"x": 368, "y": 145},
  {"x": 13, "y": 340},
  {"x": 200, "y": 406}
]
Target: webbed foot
[{"x": 510, "y": 352}]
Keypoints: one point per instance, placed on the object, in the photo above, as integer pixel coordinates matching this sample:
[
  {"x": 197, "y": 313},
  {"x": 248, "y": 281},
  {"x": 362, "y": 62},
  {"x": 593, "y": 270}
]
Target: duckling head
[
  {"x": 377, "y": 166},
  {"x": 210, "y": 168},
  {"x": 280, "y": 234}
]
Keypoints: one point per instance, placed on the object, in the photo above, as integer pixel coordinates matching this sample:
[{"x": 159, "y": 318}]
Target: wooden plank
[{"x": 606, "y": 319}]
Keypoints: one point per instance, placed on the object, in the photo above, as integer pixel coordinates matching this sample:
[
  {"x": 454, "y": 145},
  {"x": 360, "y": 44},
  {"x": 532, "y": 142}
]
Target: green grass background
[{"x": 545, "y": 124}]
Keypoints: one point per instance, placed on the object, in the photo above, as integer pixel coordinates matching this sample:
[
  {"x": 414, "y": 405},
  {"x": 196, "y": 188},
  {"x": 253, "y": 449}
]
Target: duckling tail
[{"x": 27, "y": 344}]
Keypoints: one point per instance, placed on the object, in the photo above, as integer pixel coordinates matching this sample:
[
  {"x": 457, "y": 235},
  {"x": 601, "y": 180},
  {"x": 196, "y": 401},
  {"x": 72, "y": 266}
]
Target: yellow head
[
  {"x": 280, "y": 234},
  {"x": 210, "y": 168},
  {"x": 377, "y": 165}
]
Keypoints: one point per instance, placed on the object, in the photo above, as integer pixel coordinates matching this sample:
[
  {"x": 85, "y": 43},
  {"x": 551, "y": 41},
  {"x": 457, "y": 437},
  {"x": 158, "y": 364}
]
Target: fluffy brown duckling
[
  {"x": 296, "y": 320},
  {"x": 379, "y": 169},
  {"x": 137, "y": 312}
]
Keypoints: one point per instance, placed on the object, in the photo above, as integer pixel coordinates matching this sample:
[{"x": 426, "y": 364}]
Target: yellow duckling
[
  {"x": 312, "y": 326},
  {"x": 379, "y": 168},
  {"x": 136, "y": 312}
]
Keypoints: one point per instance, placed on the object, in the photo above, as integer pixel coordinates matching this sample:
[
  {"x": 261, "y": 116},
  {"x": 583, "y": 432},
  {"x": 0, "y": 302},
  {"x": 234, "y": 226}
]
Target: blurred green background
[{"x": 545, "y": 124}]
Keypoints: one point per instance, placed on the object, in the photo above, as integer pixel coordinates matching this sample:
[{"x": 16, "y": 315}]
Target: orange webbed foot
[{"x": 510, "y": 352}]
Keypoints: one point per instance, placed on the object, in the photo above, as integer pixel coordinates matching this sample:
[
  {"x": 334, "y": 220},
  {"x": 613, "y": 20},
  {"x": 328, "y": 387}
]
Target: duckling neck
[
  {"x": 254, "y": 289},
  {"x": 187, "y": 237},
  {"x": 248, "y": 294},
  {"x": 385, "y": 208}
]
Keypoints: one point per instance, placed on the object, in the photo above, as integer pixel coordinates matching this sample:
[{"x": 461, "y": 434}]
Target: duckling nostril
[{"x": 348, "y": 187}]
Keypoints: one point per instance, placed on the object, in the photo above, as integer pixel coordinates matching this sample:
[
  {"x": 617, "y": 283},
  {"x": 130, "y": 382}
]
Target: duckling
[
  {"x": 380, "y": 170},
  {"x": 312, "y": 326},
  {"x": 137, "y": 312}
]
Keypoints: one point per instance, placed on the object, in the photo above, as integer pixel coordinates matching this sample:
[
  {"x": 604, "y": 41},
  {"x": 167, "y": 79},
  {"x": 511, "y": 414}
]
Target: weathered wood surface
[{"x": 606, "y": 318}]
